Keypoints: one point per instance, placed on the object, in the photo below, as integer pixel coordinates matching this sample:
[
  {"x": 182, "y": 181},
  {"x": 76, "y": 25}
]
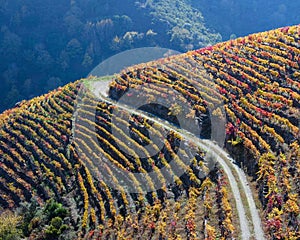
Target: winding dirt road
[{"x": 100, "y": 90}]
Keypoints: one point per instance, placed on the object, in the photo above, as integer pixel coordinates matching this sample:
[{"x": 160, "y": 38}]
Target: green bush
[
  {"x": 56, "y": 228},
  {"x": 54, "y": 209},
  {"x": 9, "y": 226},
  {"x": 56, "y": 222}
]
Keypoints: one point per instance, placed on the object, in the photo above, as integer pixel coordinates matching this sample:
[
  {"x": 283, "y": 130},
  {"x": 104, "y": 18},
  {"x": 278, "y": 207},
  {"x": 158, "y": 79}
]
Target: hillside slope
[
  {"x": 74, "y": 147},
  {"x": 258, "y": 78}
]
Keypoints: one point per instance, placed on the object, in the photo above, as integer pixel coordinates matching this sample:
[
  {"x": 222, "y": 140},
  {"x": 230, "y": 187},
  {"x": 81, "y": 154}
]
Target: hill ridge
[{"x": 257, "y": 77}]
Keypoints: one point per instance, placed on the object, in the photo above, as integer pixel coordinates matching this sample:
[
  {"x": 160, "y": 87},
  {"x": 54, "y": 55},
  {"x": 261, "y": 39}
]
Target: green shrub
[
  {"x": 56, "y": 222},
  {"x": 9, "y": 226}
]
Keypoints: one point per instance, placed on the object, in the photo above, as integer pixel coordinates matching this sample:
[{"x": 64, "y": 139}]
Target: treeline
[{"x": 44, "y": 44}]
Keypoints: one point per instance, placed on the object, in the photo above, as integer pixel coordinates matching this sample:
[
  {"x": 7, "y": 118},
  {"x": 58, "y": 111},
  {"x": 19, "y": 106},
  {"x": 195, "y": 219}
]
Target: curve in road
[{"x": 100, "y": 91}]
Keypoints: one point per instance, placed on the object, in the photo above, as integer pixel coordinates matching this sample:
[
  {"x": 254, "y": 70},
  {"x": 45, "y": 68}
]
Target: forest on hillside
[
  {"x": 236, "y": 18},
  {"x": 75, "y": 164},
  {"x": 46, "y": 44}
]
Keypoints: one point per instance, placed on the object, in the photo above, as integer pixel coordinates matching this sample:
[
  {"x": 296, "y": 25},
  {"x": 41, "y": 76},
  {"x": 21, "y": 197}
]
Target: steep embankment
[
  {"x": 99, "y": 160},
  {"x": 258, "y": 79}
]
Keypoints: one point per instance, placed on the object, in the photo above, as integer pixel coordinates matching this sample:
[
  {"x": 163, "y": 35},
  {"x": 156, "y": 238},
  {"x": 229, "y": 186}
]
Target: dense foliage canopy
[{"x": 45, "y": 44}]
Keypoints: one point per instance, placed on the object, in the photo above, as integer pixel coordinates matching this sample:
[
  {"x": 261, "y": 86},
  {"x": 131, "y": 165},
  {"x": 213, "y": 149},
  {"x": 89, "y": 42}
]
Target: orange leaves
[
  {"x": 258, "y": 77},
  {"x": 190, "y": 213},
  {"x": 273, "y": 133},
  {"x": 274, "y": 172},
  {"x": 291, "y": 204},
  {"x": 266, "y": 163},
  {"x": 272, "y": 184},
  {"x": 274, "y": 223},
  {"x": 225, "y": 218},
  {"x": 85, "y": 200},
  {"x": 211, "y": 232}
]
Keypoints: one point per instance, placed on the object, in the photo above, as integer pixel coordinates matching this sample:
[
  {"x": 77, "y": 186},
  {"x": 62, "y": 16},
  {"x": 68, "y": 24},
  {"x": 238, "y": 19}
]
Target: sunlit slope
[
  {"x": 40, "y": 159},
  {"x": 46, "y": 153},
  {"x": 258, "y": 78}
]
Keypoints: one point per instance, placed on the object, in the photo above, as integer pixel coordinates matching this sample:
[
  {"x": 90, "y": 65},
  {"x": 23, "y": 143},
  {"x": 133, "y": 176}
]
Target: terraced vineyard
[{"x": 77, "y": 149}]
